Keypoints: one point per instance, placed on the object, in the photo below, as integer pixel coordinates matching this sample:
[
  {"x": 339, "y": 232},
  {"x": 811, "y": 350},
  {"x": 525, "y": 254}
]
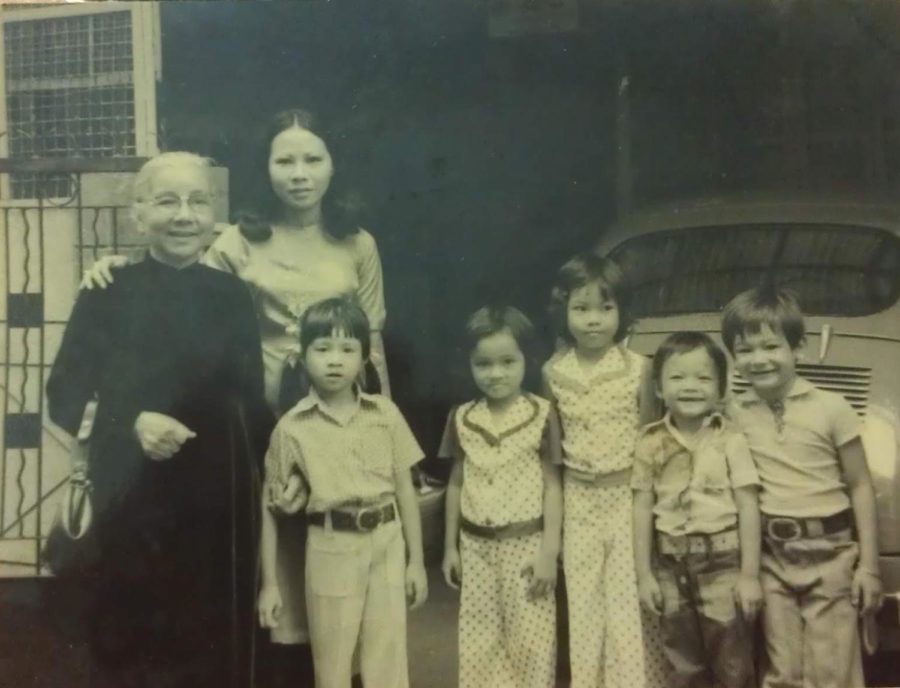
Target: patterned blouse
[
  {"x": 598, "y": 408},
  {"x": 503, "y": 479}
]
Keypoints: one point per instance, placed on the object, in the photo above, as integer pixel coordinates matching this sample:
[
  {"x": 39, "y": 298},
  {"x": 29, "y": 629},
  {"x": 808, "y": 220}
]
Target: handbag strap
[
  {"x": 80, "y": 452},
  {"x": 87, "y": 421}
]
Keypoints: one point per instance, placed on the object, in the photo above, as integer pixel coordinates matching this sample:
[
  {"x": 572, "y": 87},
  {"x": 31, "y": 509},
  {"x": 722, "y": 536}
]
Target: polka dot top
[
  {"x": 599, "y": 408},
  {"x": 502, "y": 476}
]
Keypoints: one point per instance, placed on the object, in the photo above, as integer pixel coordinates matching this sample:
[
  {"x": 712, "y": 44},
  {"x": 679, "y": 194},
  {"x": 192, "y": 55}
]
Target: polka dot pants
[
  {"x": 609, "y": 646},
  {"x": 505, "y": 640}
]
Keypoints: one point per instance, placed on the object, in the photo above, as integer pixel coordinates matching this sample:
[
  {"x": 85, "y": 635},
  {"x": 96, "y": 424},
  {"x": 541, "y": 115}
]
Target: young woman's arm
[
  {"x": 452, "y": 564},
  {"x": 866, "y": 589},
  {"x": 416, "y": 579},
  {"x": 371, "y": 297}
]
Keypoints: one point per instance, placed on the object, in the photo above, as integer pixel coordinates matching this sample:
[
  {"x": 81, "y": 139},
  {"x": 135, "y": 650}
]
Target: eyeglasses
[{"x": 171, "y": 204}]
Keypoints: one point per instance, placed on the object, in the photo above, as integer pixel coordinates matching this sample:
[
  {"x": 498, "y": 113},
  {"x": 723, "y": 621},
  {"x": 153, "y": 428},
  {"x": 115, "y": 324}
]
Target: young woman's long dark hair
[{"x": 342, "y": 208}]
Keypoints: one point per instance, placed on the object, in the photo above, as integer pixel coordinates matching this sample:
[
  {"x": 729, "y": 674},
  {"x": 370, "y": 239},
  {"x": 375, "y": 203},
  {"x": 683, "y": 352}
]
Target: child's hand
[
  {"x": 748, "y": 593},
  {"x": 452, "y": 568},
  {"x": 649, "y": 594},
  {"x": 292, "y": 498},
  {"x": 542, "y": 576},
  {"x": 416, "y": 585},
  {"x": 269, "y": 606},
  {"x": 866, "y": 591}
]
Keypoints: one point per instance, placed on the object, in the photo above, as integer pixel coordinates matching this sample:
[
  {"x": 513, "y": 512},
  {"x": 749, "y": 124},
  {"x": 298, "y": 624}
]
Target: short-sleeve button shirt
[
  {"x": 353, "y": 461},
  {"x": 693, "y": 479},
  {"x": 503, "y": 479},
  {"x": 795, "y": 449},
  {"x": 598, "y": 408}
]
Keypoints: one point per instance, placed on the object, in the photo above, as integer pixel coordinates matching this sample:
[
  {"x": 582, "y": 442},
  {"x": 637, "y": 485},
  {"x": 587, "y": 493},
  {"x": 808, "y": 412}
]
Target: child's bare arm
[
  {"x": 648, "y": 587},
  {"x": 543, "y": 569},
  {"x": 748, "y": 590},
  {"x": 553, "y": 509},
  {"x": 416, "y": 580},
  {"x": 269, "y": 594},
  {"x": 867, "y": 579},
  {"x": 452, "y": 565}
]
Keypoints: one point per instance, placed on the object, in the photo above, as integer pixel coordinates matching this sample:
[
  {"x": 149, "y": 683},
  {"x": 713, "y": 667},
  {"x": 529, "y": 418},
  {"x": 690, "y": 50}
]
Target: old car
[{"x": 842, "y": 259}]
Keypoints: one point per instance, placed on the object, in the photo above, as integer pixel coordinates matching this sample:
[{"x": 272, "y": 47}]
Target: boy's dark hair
[
  {"x": 342, "y": 209},
  {"x": 583, "y": 269},
  {"x": 768, "y": 305},
  {"x": 491, "y": 320},
  {"x": 340, "y": 314},
  {"x": 684, "y": 342}
]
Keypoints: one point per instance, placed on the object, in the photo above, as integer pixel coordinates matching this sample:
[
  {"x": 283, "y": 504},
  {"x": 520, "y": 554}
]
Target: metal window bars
[{"x": 70, "y": 92}]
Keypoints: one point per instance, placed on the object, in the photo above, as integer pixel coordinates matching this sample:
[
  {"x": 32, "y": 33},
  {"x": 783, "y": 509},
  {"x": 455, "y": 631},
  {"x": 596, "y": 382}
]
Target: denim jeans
[{"x": 705, "y": 636}]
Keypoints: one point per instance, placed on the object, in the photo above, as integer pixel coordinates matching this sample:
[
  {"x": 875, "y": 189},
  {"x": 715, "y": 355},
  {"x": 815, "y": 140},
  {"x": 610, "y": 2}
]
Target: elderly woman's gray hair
[{"x": 163, "y": 161}]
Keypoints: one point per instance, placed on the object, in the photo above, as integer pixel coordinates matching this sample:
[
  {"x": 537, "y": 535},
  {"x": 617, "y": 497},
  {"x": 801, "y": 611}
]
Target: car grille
[{"x": 850, "y": 382}]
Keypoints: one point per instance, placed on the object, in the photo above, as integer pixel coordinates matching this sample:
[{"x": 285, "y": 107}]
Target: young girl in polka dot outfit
[
  {"x": 603, "y": 393},
  {"x": 504, "y": 512}
]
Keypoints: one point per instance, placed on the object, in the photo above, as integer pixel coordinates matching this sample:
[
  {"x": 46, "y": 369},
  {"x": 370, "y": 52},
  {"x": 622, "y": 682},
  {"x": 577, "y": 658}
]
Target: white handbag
[{"x": 66, "y": 550}]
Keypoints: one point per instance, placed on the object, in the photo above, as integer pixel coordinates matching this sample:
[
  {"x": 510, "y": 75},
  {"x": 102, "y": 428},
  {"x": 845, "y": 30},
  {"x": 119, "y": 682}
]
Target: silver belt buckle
[
  {"x": 368, "y": 519},
  {"x": 783, "y": 529}
]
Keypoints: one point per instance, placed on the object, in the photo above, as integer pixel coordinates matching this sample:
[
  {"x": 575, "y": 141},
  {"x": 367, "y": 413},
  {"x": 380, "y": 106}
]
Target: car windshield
[{"x": 835, "y": 270}]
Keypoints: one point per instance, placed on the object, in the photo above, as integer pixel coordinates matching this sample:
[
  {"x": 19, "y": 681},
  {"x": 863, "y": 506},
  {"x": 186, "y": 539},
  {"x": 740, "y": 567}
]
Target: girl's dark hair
[
  {"x": 342, "y": 208},
  {"x": 490, "y": 320},
  {"x": 583, "y": 269},
  {"x": 342, "y": 314},
  {"x": 768, "y": 305},
  {"x": 684, "y": 342}
]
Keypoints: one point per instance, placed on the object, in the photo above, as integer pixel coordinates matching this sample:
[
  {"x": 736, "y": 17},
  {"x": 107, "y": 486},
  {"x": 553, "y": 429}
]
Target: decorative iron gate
[{"x": 47, "y": 243}]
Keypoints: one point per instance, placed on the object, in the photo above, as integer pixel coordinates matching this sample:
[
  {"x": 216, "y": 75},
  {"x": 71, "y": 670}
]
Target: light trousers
[{"x": 356, "y": 593}]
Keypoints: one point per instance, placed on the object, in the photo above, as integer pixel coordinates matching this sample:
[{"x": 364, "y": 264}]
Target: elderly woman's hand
[{"x": 161, "y": 436}]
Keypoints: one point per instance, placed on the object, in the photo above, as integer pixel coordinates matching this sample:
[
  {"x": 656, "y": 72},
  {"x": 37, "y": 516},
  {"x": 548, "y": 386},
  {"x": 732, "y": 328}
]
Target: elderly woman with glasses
[{"x": 171, "y": 352}]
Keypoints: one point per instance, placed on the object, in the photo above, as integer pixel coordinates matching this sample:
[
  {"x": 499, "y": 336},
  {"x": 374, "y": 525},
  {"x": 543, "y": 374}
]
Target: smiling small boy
[
  {"x": 694, "y": 487},
  {"x": 819, "y": 553}
]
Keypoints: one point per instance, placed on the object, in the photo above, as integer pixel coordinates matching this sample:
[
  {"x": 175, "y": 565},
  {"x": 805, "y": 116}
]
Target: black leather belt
[
  {"x": 510, "y": 530},
  {"x": 698, "y": 543},
  {"x": 363, "y": 520},
  {"x": 788, "y": 528}
]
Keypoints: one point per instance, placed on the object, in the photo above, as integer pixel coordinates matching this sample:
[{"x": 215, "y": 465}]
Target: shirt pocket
[{"x": 376, "y": 448}]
